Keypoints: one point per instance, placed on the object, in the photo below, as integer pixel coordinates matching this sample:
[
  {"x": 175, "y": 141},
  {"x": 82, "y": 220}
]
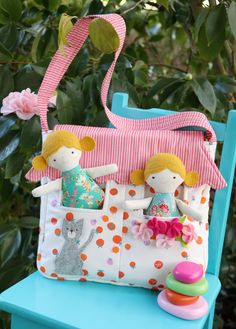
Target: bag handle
[{"x": 60, "y": 64}]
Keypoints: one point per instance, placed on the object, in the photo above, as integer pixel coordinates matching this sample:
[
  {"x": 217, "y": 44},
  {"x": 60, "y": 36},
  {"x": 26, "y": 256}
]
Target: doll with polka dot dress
[
  {"x": 62, "y": 150},
  {"x": 164, "y": 173}
]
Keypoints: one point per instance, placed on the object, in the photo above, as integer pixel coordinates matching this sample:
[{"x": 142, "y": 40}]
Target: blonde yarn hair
[
  {"x": 160, "y": 162},
  {"x": 55, "y": 141}
]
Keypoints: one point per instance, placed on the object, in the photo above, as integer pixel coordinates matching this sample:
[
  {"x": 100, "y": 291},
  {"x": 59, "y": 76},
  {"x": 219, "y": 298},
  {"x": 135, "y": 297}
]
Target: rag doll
[
  {"x": 164, "y": 173},
  {"x": 62, "y": 150}
]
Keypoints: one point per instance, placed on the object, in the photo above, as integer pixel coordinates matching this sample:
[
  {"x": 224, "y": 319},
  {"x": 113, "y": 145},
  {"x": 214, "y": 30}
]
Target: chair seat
[{"x": 88, "y": 305}]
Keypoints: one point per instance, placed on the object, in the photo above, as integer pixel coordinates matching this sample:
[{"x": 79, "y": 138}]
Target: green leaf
[
  {"x": 200, "y": 20},
  {"x": 5, "y": 125},
  {"x": 210, "y": 52},
  {"x": 5, "y": 51},
  {"x": 164, "y": 3},
  {"x": 13, "y": 8},
  {"x": 184, "y": 244},
  {"x": 160, "y": 85},
  {"x": 215, "y": 23},
  {"x": 103, "y": 36},
  {"x": 8, "y": 145},
  {"x": 182, "y": 219},
  {"x": 65, "y": 109},
  {"x": 29, "y": 222},
  {"x": 30, "y": 135},
  {"x": 205, "y": 93},
  {"x": 9, "y": 244},
  {"x": 65, "y": 25},
  {"x": 6, "y": 81},
  {"x": 15, "y": 163},
  {"x": 225, "y": 84},
  {"x": 232, "y": 17}
]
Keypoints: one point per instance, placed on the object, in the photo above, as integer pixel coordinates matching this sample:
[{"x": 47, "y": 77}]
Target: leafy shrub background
[{"x": 180, "y": 58}]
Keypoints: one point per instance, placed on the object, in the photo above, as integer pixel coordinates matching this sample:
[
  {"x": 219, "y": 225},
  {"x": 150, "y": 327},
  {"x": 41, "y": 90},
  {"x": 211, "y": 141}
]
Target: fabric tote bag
[{"x": 115, "y": 244}]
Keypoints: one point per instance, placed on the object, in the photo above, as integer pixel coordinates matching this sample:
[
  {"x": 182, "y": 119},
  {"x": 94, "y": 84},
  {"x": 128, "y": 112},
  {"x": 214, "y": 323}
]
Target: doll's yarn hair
[
  {"x": 160, "y": 162},
  {"x": 58, "y": 139}
]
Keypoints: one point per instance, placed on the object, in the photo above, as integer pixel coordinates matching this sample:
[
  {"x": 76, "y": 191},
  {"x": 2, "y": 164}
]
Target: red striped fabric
[{"x": 131, "y": 149}]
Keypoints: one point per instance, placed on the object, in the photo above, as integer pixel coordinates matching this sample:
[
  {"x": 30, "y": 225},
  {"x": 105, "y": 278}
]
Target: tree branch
[
  {"x": 132, "y": 8},
  {"x": 171, "y": 67}
]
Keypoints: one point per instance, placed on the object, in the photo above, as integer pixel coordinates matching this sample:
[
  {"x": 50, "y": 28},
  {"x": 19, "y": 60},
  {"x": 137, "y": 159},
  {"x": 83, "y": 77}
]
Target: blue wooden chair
[{"x": 39, "y": 303}]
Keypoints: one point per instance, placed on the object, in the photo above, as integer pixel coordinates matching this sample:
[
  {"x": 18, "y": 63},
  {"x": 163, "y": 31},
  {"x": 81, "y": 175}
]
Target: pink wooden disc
[{"x": 188, "y": 272}]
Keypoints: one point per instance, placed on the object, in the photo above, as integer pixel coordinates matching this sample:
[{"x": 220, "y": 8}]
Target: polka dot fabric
[{"x": 114, "y": 255}]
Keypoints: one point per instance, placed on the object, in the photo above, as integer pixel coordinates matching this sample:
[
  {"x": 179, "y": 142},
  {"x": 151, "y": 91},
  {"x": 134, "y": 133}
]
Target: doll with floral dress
[
  {"x": 164, "y": 173},
  {"x": 62, "y": 150}
]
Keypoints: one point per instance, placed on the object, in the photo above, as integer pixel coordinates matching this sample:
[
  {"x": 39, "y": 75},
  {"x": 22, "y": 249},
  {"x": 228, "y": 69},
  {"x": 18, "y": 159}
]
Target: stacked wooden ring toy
[{"x": 183, "y": 295}]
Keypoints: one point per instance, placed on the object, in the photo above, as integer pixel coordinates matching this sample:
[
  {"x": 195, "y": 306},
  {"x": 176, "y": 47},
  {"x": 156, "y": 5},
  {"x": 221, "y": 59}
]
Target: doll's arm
[
  {"x": 137, "y": 204},
  {"x": 53, "y": 186},
  {"x": 102, "y": 170},
  {"x": 189, "y": 211}
]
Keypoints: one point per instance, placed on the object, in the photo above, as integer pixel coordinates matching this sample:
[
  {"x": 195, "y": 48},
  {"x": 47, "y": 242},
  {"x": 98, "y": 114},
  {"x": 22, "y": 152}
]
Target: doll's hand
[
  {"x": 37, "y": 192},
  {"x": 189, "y": 211}
]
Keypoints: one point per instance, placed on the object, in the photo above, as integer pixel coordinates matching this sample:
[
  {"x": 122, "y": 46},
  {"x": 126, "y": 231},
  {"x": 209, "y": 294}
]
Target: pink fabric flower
[
  {"x": 23, "y": 103},
  {"x": 174, "y": 229},
  {"x": 158, "y": 226},
  {"x": 142, "y": 232},
  {"x": 164, "y": 242},
  {"x": 188, "y": 233},
  {"x": 164, "y": 207}
]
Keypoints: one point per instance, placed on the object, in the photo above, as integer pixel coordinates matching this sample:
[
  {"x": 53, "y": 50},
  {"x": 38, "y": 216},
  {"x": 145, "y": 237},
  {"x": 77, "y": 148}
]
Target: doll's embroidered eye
[
  {"x": 153, "y": 177},
  {"x": 54, "y": 160},
  {"x": 72, "y": 152},
  {"x": 174, "y": 177}
]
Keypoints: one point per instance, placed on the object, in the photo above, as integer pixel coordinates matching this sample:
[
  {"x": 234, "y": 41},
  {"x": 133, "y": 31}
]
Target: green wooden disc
[
  {"x": 194, "y": 289},
  {"x": 103, "y": 36}
]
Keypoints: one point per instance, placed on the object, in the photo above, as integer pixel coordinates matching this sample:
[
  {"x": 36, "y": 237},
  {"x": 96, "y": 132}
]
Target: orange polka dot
[
  {"x": 207, "y": 226},
  {"x": 82, "y": 279},
  {"x": 42, "y": 269},
  {"x": 39, "y": 256},
  {"x": 55, "y": 251},
  {"x": 100, "y": 242},
  {"x": 117, "y": 239},
  {"x": 158, "y": 264},
  {"x": 69, "y": 216},
  {"x": 105, "y": 218},
  {"x": 152, "y": 190},
  {"x": 199, "y": 240},
  {"x": 125, "y": 215},
  {"x": 176, "y": 193},
  {"x": 60, "y": 278},
  {"x": 100, "y": 273},
  {"x": 54, "y": 275},
  {"x": 111, "y": 226},
  {"x": 113, "y": 191},
  {"x": 99, "y": 229},
  {"x": 132, "y": 193},
  {"x": 186, "y": 201},
  {"x": 83, "y": 257},
  {"x": 121, "y": 274},
  {"x": 127, "y": 246},
  {"x": 53, "y": 220},
  {"x": 113, "y": 209},
  {"x": 152, "y": 281},
  {"x": 184, "y": 254},
  {"x": 115, "y": 250},
  {"x": 125, "y": 229},
  {"x": 190, "y": 219},
  {"x": 161, "y": 286},
  {"x": 57, "y": 231},
  {"x": 132, "y": 264},
  {"x": 85, "y": 272},
  {"x": 155, "y": 288},
  {"x": 203, "y": 199}
]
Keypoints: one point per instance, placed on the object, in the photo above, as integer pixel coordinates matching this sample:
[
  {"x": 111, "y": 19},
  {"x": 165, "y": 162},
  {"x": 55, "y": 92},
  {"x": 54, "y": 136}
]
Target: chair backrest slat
[{"x": 225, "y": 133}]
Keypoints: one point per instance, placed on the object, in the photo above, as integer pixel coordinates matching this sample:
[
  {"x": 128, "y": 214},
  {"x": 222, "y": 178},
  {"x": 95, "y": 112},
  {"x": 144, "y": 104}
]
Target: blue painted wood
[
  {"x": 89, "y": 305},
  {"x": 17, "y": 322},
  {"x": 120, "y": 107}
]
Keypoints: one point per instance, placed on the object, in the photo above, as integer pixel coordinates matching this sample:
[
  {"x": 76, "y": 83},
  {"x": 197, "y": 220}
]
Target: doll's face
[
  {"x": 165, "y": 181},
  {"x": 65, "y": 158}
]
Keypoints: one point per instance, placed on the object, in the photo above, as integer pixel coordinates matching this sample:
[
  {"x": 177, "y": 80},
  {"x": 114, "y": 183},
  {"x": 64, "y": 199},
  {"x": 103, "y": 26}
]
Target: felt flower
[
  {"x": 158, "y": 226},
  {"x": 142, "y": 232},
  {"x": 174, "y": 230},
  {"x": 164, "y": 242},
  {"x": 23, "y": 104},
  {"x": 188, "y": 233},
  {"x": 164, "y": 207}
]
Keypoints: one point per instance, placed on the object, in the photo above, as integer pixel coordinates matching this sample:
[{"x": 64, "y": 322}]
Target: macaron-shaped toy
[
  {"x": 187, "y": 312},
  {"x": 179, "y": 299},
  {"x": 193, "y": 289},
  {"x": 188, "y": 272}
]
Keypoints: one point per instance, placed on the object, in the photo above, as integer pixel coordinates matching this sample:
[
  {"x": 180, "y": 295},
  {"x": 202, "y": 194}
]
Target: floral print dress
[
  {"x": 163, "y": 205},
  {"x": 79, "y": 190}
]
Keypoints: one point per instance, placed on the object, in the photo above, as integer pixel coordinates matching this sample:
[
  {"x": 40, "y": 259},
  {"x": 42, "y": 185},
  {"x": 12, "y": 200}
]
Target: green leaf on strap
[
  {"x": 65, "y": 25},
  {"x": 103, "y": 36}
]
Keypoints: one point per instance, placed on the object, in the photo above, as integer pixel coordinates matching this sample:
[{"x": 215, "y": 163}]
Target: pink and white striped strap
[{"x": 60, "y": 64}]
